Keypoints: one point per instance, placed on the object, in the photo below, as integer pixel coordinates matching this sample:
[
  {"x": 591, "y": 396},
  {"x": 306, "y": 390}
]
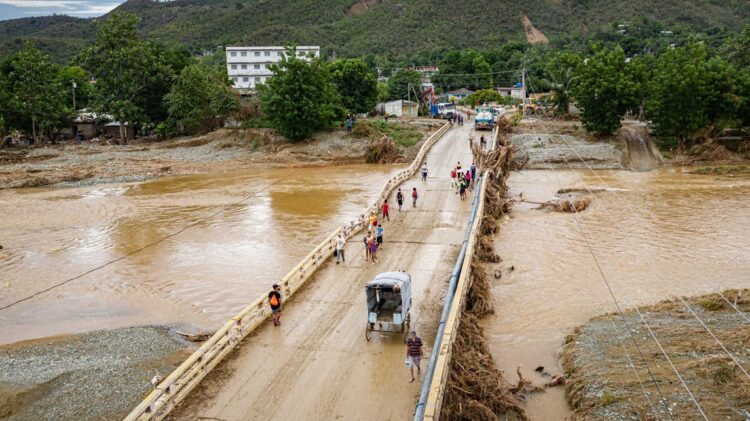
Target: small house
[
  {"x": 402, "y": 108},
  {"x": 459, "y": 94},
  {"x": 113, "y": 130}
]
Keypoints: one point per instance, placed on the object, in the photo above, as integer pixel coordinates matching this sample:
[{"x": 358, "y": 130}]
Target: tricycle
[{"x": 388, "y": 304}]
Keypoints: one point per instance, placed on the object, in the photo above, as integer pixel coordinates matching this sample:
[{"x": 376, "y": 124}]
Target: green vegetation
[
  {"x": 467, "y": 69},
  {"x": 405, "y": 31},
  {"x": 356, "y": 84},
  {"x": 31, "y": 96},
  {"x": 300, "y": 98},
  {"x": 131, "y": 75},
  {"x": 605, "y": 90},
  {"x": 402, "y": 134},
  {"x": 200, "y": 99},
  {"x": 404, "y": 85},
  {"x": 486, "y": 96},
  {"x": 609, "y": 399},
  {"x": 562, "y": 78}
]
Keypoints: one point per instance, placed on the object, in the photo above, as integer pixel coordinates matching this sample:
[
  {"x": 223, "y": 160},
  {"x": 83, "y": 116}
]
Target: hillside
[{"x": 397, "y": 28}]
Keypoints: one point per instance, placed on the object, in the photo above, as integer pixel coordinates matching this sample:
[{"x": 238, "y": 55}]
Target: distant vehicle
[
  {"x": 444, "y": 110},
  {"x": 485, "y": 119},
  {"x": 388, "y": 303}
]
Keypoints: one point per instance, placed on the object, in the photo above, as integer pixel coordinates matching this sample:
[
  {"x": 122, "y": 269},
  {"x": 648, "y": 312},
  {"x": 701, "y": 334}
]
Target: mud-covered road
[{"x": 318, "y": 365}]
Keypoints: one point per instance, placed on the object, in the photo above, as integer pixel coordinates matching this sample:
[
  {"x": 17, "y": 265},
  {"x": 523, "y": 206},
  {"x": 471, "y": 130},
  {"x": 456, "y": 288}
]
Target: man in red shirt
[
  {"x": 386, "y": 208},
  {"x": 413, "y": 354}
]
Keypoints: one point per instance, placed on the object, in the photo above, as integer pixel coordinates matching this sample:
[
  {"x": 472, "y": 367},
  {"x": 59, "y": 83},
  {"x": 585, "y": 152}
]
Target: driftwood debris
[
  {"x": 195, "y": 337},
  {"x": 564, "y": 205}
]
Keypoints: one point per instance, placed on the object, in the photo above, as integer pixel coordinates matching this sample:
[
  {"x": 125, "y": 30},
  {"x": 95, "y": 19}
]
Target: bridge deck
[{"x": 317, "y": 365}]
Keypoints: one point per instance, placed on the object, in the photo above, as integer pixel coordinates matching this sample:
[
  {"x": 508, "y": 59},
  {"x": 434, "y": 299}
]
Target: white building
[
  {"x": 248, "y": 67},
  {"x": 402, "y": 108}
]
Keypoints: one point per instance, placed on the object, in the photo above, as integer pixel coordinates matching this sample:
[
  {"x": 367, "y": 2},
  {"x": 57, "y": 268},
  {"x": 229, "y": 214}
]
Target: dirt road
[{"x": 318, "y": 365}]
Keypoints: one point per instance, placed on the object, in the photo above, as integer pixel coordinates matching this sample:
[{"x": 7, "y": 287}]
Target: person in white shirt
[{"x": 340, "y": 243}]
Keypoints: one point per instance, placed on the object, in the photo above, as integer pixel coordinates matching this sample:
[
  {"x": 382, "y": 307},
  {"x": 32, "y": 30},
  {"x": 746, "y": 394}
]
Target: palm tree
[{"x": 561, "y": 85}]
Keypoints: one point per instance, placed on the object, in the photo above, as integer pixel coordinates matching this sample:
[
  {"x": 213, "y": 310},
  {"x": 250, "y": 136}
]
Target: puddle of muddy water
[
  {"x": 676, "y": 234},
  {"x": 200, "y": 277}
]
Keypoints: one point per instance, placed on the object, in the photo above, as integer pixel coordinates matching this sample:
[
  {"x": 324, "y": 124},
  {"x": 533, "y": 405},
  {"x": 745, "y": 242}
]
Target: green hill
[{"x": 395, "y": 28}]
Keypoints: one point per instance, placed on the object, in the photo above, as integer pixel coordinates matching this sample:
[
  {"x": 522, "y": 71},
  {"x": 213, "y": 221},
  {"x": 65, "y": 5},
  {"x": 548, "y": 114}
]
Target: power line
[
  {"x": 669, "y": 360},
  {"x": 658, "y": 275},
  {"x": 159, "y": 241},
  {"x": 622, "y": 316}
]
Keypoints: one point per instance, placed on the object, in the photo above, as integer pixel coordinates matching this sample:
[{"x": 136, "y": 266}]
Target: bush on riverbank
[{"x": 402, "y": 134}]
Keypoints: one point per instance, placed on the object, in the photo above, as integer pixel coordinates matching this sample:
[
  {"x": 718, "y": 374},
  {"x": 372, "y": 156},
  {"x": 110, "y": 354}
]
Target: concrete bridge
[{"x": 317, "y": 364}]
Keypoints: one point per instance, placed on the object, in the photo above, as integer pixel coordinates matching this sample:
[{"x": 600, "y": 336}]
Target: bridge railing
[
  {"x": 436, "y": 374},
  {"x": 173, "y": 389}
]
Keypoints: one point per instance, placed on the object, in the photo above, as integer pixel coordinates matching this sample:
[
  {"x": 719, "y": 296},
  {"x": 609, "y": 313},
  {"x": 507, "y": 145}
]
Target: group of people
[
  {"x": 374, "y": 238},
  {"x": 350, "y": 119},
  {"x": 463, "y": 181},
  {"x": 457, "y": 118}
]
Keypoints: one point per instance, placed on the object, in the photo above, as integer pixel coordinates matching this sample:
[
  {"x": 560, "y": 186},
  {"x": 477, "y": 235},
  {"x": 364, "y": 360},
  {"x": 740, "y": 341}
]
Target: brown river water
[
  {"x": 656, "y": 235},
  {"x": 199, "y": 277}
]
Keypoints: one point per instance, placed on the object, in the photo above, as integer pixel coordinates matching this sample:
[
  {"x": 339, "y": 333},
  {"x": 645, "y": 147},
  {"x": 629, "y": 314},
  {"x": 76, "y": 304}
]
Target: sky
[{"x": 11, "y": 9}]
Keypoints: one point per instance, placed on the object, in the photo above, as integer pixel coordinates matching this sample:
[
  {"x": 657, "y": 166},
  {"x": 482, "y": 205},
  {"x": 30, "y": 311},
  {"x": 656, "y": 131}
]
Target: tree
[
  {"x": 404, "y": 84},
  {"x": 34, "y": 98},
  {"x": 356, "y": 84},
  {"x": 468, "y": 69},
  {"x": 484, "y": 96},
  {"x": 688, "y": 91},
  {"x": 67, "y": 76},
  {"x": 124, "y": 68},
  {"x": 200, "y": 99},
  {"x": 737, "y": 49},
  {"x": 300, "y": 97},
  {"x": 605, "y": 90},
  {"x": 562, "y": 79}
]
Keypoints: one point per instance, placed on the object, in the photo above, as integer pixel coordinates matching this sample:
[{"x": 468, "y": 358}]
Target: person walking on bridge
[
  {"x": 413, "y": 354},
  {"x": 386, "y": 208},
  {"x": 399, "y": 199},
  {"x": 274, "y": 299},
  {"x": 340, "y": 244},
  {"x": 414, "y": 197},
  {"x": 424, "y": 172}
]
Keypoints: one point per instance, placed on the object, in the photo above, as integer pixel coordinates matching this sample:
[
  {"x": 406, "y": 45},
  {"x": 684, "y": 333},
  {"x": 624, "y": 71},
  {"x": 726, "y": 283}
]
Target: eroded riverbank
[
  {"x": 90, "y": 163},
  {"x": 657, "y": 234}
]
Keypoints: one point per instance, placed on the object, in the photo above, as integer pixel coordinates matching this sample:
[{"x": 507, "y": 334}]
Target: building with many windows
[{"x": 248, "y": 67}]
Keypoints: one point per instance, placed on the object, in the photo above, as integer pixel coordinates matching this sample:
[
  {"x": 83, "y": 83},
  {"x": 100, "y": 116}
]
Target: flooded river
[
  {"x": 659, "y": 234},
  {"x": 199, "y": 277}
]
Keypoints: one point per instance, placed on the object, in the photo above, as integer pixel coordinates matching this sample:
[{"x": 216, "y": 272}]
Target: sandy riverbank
[
  {"x": 71, "y": 164},
  {"x": 97, "y": 375},
  {"x": 603, "y": 386}
]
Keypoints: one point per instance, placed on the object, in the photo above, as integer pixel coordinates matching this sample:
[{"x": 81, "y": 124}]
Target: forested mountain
[{"x": 400, "y": 29}]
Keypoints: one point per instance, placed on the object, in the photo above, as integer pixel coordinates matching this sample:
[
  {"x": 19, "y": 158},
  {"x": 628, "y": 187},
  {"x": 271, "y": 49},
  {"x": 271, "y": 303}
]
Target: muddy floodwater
[
  {"x": 656, "y": 235},
  {"x": 199, "y": 277}
]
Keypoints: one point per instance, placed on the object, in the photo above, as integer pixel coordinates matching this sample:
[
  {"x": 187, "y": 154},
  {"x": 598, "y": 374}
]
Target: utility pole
[
  {"x": 74, "y": 96},
  {"x": 523, "y": 91}
]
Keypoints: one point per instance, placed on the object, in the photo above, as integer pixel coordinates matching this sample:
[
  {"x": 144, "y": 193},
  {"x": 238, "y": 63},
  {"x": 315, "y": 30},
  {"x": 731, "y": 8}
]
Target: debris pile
[{"x": 476, "y": 388}]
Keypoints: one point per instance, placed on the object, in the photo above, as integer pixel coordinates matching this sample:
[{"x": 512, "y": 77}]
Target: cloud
[{"x": 72, "y": 7}]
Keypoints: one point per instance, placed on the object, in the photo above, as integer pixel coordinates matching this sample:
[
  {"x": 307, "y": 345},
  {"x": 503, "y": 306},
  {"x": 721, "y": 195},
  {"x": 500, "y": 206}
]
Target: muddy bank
[
  {"x": 602, "y": 386},
  {"x": 548, "y": 145},
  {"x": 98, "y": 375},
  {"x": 72, "y": 164}
]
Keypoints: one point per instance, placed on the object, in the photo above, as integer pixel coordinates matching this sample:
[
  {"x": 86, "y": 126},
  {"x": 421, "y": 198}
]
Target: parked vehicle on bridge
[
  {"x": 485, "y": 119},
  {"x": 444, "y": 110},
  {"x": 388, "y": 304}
]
